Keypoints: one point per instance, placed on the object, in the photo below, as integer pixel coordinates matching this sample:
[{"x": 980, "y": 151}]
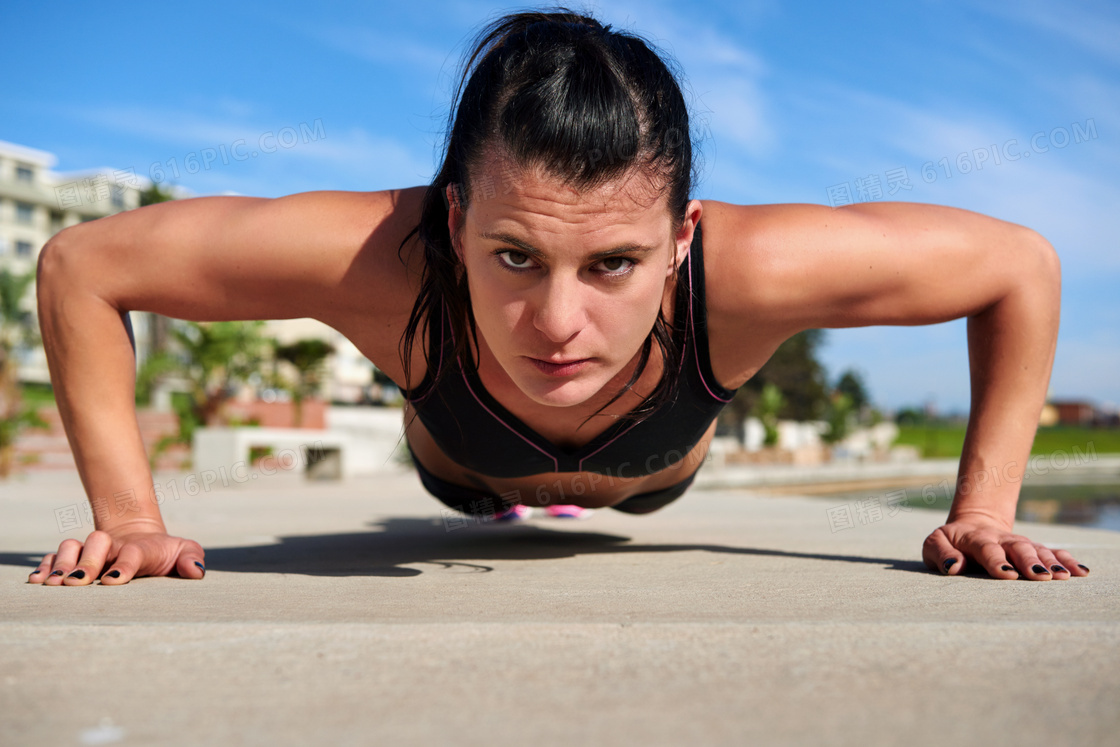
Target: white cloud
[
  {"x": 1093, "y": 27},
  {"x": 321, "y": 157},
  {"x": 382, "y": 47}
]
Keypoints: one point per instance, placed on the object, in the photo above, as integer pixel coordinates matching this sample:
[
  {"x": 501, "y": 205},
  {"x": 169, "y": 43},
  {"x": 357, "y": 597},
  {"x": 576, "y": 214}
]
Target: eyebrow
[{"x": 531, "y": 250}]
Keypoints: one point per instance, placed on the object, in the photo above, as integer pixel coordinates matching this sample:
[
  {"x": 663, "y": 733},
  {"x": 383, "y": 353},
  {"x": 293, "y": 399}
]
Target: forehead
[{"x": 503, "y": 191}]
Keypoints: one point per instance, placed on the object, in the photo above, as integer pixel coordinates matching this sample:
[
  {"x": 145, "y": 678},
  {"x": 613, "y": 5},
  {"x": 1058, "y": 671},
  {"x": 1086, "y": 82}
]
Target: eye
[
  {"x": 617, "y": 267},
  {"x": 515, "y": 260}
]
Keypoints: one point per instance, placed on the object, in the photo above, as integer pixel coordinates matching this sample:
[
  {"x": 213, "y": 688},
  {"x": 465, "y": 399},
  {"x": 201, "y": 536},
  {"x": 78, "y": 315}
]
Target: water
[{"x": 1094, "y": 505}]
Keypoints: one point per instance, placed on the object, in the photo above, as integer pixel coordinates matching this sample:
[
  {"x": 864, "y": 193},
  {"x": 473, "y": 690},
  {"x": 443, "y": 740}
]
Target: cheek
[{"x": 496, "y": 309}]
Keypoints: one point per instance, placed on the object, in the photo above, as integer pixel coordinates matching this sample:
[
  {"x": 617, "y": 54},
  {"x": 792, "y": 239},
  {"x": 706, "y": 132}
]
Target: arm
[
  {"x": 908, "y": 264},
  {"x": 206, "y": 259}
]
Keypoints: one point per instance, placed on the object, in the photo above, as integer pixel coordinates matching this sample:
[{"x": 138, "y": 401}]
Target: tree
[
  {"x": 794, "y": 370},
  {"x": 158, "y": 328},
  {"x": 213, "y": 357},
  {"x": 851, "y": 384},
  {"x": 308, "y": 357},
  {"x": 18, "y": 333},
  {"x": 153, "y": 194},
  {"x": 838, "y": 415},
  {"x": 769, "y": 404}
]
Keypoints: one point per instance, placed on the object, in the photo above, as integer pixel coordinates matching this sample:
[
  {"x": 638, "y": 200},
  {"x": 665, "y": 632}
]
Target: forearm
[
  {"x": 93, "y": 372},
  {"x": 1011, "y": 348}
]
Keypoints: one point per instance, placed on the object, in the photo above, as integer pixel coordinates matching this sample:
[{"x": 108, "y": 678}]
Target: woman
[{"x": 564, "y": 326}]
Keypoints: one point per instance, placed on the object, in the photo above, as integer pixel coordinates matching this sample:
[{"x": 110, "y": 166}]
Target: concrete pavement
[{"x": 352, "y": 613}]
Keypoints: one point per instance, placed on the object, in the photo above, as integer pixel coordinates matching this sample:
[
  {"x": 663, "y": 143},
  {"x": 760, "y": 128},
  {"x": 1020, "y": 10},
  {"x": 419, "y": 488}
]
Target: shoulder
[
  {"x": 754, "y": 254},
  {"x": 746, "y": 269},
  {"x": 381, "y": 279},
  {"x": 772, "y": 271}
]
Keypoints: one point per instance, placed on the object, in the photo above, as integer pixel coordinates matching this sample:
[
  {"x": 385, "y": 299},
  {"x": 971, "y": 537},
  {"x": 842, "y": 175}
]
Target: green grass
[
  {"x": 38, "y": 395},
  {"x": 945, "y": 441}
]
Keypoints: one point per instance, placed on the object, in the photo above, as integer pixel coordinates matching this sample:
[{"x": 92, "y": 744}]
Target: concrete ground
[{"x": 352, "y": 613}]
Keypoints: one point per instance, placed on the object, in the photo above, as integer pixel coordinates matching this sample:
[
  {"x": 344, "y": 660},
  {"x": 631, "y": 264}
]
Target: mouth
[{"x": 560, "y": 368}]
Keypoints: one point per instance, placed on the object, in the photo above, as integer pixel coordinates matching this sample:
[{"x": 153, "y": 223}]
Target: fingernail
[
  {"x": 1058, "y": 569},
  {"x": 1006, "y": 568},
  {"x": 201, "y": 567},
  {"x": 949, "y": 564},
  {"x": 57, "y": 573},
  {"x": 1038, "y": 569},
  {"x": 1082, "y": 567},
  {"x": 78, "y": 574},
  {"x": 113, "y": 574}
]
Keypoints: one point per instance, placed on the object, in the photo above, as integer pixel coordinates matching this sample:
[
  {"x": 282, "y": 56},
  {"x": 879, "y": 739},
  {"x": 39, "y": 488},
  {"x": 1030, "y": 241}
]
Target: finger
[
  {"x": 992, "y": 556},
  {"x": 941, "y": 557},
  {"x": 125, "y": 567},
  {"x": 192, "y": 561},
  {"x": 64, "y": 562},
  {"x": 92, "y": 561},
  {"x": 39, "y": 575},
  {"x": 1056, "y": 568},
  {"x": 1025, "y": 557},
  {"x": 1070, "y": 563}
]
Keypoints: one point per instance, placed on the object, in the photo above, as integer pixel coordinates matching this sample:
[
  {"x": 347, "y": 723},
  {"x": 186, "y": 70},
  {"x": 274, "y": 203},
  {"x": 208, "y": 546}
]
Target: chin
[{"x": 566, "y": 393}]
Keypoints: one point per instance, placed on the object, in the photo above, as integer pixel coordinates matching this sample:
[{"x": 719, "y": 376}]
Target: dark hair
[{"x": 560, "y": 91}]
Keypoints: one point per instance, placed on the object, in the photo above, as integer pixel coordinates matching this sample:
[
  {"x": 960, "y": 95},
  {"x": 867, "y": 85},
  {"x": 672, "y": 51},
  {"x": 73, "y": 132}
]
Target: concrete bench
[
  {"x": 357, "y": 441},
  {"x": 319, "y": 454}
]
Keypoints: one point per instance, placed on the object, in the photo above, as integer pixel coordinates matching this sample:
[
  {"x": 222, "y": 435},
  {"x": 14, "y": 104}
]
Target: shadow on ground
[{"x": 402, "y": 542}]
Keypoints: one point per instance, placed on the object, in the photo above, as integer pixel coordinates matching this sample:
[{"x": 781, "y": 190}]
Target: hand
[
  {"x": 991, "y": 545},
  {"x": 124, "y": 552}
]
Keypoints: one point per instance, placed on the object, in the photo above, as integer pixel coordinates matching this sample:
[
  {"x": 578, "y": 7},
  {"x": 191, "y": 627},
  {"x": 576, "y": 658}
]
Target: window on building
[
  {"x": 116, "y": 196},
  {"x": 24, "y": 173},
  {"x": 25, "y": 212},
  {"x": 23, "y": 248}
]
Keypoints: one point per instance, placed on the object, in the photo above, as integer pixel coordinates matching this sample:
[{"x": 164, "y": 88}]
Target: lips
[{"x": 561, "y": 367}]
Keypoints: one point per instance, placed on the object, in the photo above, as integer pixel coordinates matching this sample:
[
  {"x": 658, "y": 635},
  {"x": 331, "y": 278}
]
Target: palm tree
[
  {"x": 18, "y": 332},
  {"x": 308, "y": 357},
  {"x": 213, "y": 358}
]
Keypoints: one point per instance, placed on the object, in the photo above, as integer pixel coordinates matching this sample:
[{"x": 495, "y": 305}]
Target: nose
[{"x": 561, "y": 310}]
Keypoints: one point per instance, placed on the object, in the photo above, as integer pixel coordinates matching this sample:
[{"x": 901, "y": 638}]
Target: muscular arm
[
  {"x": 806, "y": 266},
  {"x": 331, "y": 256}
]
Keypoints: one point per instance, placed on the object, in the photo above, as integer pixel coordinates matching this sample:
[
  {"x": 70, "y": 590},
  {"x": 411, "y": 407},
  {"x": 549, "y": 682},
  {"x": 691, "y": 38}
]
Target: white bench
[
  {"x": 357, "y": 441},
  {"x": 319, "y": 454}
]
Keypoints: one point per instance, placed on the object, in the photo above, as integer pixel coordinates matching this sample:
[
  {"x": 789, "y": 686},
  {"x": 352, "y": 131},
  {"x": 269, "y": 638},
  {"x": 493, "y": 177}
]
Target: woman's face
[{"x": 565, "y": 286}]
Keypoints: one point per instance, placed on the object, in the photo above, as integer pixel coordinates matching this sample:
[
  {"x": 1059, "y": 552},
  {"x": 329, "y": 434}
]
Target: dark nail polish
[
  {"x": 57, "y": 573},
  {"x": 1082, "y": 567},
  {"x": 1038, "y": 569},
  {"x": 1006, "y": 568},
  {"x": 201, "y": 567},
  {"x": 78, "y": 574},
  {"x": 1058, "y": 569},
  {"x": 113, "y": 574},
  {"x": 949, "y": 564}
]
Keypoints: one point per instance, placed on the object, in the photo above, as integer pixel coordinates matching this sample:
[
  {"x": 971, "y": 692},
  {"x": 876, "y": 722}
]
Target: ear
[
  {"x": 454, "y": 203},
  {"x": 683, "y": 239}
]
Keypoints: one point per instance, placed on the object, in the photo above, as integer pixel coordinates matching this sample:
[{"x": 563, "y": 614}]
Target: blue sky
[{"x": 791, "y": 102}]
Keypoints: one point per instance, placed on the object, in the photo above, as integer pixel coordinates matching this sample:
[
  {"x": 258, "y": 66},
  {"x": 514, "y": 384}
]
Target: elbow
[
  {"x": 1049, "y": 265},
  {"x": 1042, "y": 275},
  {"x": 53, "y": 260},
  {"x": 56, "y": 262}
]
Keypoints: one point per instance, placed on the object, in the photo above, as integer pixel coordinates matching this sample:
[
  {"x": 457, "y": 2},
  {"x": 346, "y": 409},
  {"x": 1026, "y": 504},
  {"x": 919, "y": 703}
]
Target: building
[{"x": 36, "y": 203}]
